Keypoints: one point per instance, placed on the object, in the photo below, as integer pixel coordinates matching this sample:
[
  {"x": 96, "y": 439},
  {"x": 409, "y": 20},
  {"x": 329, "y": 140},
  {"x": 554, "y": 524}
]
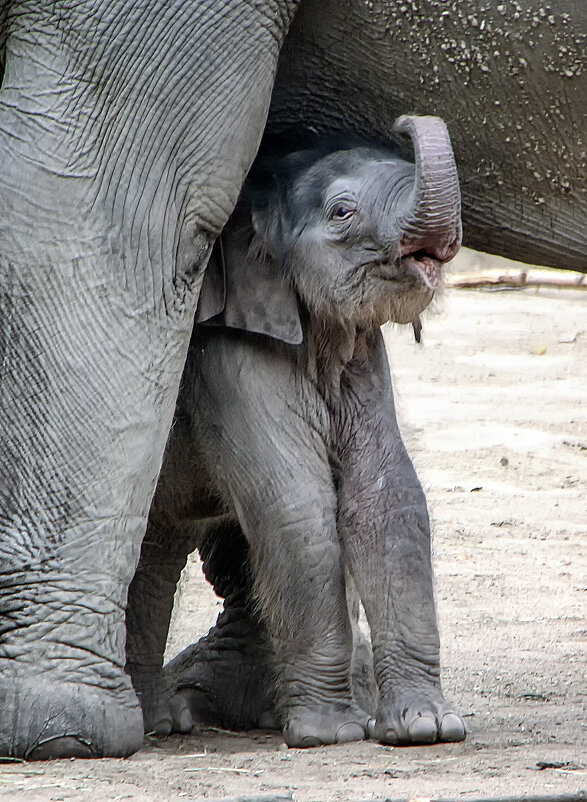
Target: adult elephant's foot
[
  {"x": 43, "y": 719},
  {"x": 410, "y": 720},
  {"x": 331, "y": 724},
  {"x": 226, "y": 679}
]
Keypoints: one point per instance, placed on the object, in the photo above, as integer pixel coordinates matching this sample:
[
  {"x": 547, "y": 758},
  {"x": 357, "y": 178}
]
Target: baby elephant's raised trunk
[{"x": 432, "y": 223}]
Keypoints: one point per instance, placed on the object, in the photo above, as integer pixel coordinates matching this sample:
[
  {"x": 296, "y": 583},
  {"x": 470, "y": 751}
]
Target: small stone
[{"x": 504, "y": 461}]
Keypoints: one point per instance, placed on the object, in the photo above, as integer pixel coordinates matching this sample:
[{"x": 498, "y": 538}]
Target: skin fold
[{"x": 290, "y": 454}]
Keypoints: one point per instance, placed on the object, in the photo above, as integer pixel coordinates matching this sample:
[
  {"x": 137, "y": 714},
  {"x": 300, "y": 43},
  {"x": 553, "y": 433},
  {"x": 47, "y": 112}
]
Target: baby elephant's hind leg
[{"x": 150, "y": 602}]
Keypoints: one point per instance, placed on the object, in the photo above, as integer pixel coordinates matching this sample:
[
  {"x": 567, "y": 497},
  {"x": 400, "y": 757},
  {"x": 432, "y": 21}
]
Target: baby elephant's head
[{"x": 360, "y": 233}]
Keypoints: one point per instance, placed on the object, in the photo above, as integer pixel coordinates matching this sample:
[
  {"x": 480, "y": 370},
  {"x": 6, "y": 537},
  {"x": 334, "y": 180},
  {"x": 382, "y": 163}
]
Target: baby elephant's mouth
[
  {"x": 420, "y": 267},
  {"x": 424, "y": 267}
]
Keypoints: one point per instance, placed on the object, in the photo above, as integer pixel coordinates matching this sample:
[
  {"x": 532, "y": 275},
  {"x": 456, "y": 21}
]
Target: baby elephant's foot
[
  {"x": 334, "y": 724},
  {"x": 412, "y": 721}
]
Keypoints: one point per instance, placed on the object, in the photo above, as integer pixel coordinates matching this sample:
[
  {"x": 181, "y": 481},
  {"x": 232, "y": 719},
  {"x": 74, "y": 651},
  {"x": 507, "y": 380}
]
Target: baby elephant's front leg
[
  {"x": 276, "y": 469},
  {"x": 384, "y": 525},
  {"x": 299, "y": 579}
]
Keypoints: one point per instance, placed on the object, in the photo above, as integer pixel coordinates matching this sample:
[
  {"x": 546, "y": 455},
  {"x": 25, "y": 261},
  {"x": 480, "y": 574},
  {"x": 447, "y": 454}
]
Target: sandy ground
[{"x": 493, "y": 409}]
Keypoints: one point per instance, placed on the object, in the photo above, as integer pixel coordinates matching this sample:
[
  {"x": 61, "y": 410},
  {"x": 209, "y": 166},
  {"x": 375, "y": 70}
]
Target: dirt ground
[{"x": 493, "y": 409}]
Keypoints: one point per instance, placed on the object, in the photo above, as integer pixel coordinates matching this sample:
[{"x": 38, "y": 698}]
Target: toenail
[{"x": 350, "y": 731}]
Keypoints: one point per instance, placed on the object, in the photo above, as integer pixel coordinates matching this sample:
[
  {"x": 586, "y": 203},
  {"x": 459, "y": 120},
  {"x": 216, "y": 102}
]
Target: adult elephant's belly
[{"x": 512, "y": 92}]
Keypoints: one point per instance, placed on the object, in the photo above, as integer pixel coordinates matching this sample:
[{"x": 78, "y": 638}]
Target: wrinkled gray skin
[
  {"x": 298, "y": 446},
  {"x": 126, "y": 131}
]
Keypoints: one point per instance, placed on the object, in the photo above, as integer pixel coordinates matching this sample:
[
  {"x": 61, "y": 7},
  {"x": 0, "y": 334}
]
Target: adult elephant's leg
[
  {"x": 274, "y": 463},
  {"x": 227, "y": 678},
  {"x": 385, "y": 529},
  {"x": 125, "y": 132}
]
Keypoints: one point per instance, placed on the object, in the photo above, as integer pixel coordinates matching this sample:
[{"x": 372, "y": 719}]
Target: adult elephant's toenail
[
  {"x": 308, "y": 741},
  {"x": 351, "y": 731},
  {"x": 62, "y": 746}
]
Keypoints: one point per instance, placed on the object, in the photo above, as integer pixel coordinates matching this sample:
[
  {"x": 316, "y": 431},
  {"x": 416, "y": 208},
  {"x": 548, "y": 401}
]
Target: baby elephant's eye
[{"x": 341, "y": 211}]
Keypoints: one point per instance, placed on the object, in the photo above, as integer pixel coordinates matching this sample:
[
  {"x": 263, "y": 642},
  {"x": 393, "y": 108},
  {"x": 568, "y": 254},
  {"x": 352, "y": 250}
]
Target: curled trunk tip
[{"x": 434, "y": 219}]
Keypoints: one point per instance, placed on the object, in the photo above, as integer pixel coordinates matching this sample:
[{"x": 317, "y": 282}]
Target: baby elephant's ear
[
  {"x": 258, "y": 298},
  {"x": 255, "y": 295}
]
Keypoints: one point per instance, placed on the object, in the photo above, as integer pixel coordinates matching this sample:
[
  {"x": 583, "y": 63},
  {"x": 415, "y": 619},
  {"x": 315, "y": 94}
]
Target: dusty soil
[{"x": 493, "y": 410}]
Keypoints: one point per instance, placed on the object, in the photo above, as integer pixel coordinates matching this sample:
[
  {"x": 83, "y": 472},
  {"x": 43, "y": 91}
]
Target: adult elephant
[
  {"x": 125, "y": 134},
  {"x": 509, "y": 79}
]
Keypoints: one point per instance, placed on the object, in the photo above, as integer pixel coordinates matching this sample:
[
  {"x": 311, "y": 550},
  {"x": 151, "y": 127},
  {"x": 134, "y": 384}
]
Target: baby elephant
[{"x": 286, "y": 432}]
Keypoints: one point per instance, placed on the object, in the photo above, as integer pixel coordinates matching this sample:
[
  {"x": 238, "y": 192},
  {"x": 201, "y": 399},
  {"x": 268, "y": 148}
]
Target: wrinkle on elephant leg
[
  {"x": 381, "y": 498},
  {"x": 75, "y": 486},
  {"x": 78, "y": 464}
]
